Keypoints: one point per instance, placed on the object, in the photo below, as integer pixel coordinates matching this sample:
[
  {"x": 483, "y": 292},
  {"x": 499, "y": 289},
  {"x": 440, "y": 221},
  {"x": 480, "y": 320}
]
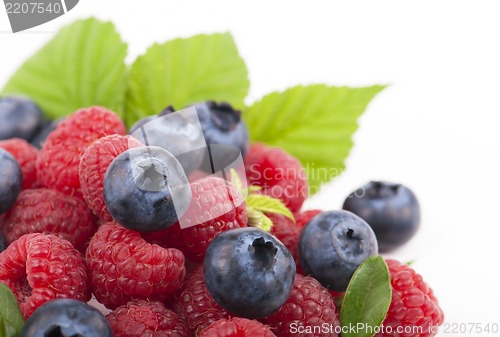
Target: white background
[{"x": 436, "y": 127}]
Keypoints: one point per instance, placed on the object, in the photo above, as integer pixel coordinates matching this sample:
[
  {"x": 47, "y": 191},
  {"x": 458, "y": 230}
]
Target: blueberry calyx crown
[
  {"x": 382, "y": 189},
  {"x": 264, "y": 252},
  {"x": 168, "y": 110},
  {"x": 224, "y": 116}
]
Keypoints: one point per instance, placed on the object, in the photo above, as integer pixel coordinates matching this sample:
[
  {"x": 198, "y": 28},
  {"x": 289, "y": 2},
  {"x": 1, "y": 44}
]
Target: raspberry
[
  {"x": 413, "y": 304},
  {"x": 144, "y": 318},
  {"x": 48, "y": 211},
  {"x": 59, "y": 159},
  {"x": 26, "y": 155},
  {"x": 39, "y": 268},
  {"x": 286, "y": 231},
  {"x": 236, "y": 327},
  {"x": 303, "y": 218},
  {"x": 195, "y": 305},
  {"x": 309, "y": 305},
  {"x": 124, "y": 267},
  {"x": 279, "y": 174},
  {"x": 93, "y": 165},
  {"x": 214, "y": 199}
]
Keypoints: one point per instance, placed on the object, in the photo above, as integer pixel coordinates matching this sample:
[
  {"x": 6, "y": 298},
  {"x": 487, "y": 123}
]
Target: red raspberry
[
  {"x": 93, "y": 165},
  {"x": 39, "y": 268},
  {"x": 26, "y": 155},
  {"x": 309, "y": 305},
  {"x": 303, "y": 218},
  {"x": 413, "y": 304},
  {"x": 59, "y": 159},
  {"x": 144, "y": 318},
  {"x": 124, "y": 267},
  {"x": 279, "y": 174},
  {"x": 236, "y": 327},
  {"x": 212, "y": 198},
  {"x": 48, "y": 211},
  {"x": 286, "y": 231},
  {"x": 195, "y": 305}
]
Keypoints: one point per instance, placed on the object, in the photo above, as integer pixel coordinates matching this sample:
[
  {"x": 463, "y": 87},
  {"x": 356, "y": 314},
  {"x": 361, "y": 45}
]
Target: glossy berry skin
[
  {"x": 236, "y": 327},
  {"x": 413, "y": 304},
  {"x": 146, "y": 189},
  {"x": 66, "y": 317},
  {"x": 249, "y": 272},
  {"x": 19, "y": 118},
  {"x": 309, "y": 305},
  {"x": 332, "y": 245},
  {"x": 142, "y": 318},
  {"x": 26, "y": 156},
  {"x": 39, "y": 268},
  {"x": 222, "y": 125},
  {"x": 392, "y": 211},
  {"x": 177, "y": 132},
  {"x": 11, "y": 180}
]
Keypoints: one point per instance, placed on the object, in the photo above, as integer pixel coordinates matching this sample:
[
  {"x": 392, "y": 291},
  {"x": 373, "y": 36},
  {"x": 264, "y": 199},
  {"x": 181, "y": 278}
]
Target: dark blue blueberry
[
  {"x": 222, "y": 125},
  {"x": 249, "y": 272},
  {"x": 11, "y": 180},
  {"x": 19, "y": 117},
  {"x": 2, "y": 243},
  {"x": 146, "y": 189},
  {"x": 66, "y": 318},
  {"x": 392, "y": 210},
  {"x": 41, "y": 137},
  {"x": 179, "y": 133},
  {"x": 332, "y": 245}
]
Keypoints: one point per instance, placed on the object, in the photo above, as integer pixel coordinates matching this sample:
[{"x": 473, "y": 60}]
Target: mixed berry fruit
[{"x": 154, "y": 227}]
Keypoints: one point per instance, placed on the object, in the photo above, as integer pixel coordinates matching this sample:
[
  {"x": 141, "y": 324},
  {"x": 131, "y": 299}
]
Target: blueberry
[
  {"x": 392, "y": 210},
  {"x": 41, "y": 137},
  {"x": 249, "y": 272},
  {"x": 19, "y": 117},
  {"x": 2, "y": 243},
  {"x": 66, "y": 317},
  {"x": 332, "y": 245},
  {"x": 11, "y": 180},
  {"x": 146, "y": 189},
  {"x": 179, "y": 133},
  {"x": 222, "y": 125}
]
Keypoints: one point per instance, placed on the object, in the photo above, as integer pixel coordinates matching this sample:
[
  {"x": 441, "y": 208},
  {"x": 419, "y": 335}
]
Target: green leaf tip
[
  {"x": 367, "y": 298},
  {"x": 266, "y": 204},
  {"x": 11, "y": 319}
]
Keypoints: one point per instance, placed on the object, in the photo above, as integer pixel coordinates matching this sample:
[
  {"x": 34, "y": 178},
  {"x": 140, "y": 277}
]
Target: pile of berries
[{"x": 149, "y": 224}]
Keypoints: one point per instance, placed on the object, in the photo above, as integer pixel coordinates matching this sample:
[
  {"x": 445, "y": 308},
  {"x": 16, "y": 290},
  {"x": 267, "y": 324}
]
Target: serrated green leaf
[
  {"x": 315, "y": 123},
  {"x": 266, "y": 204},
  {"x": 367, "y": 298},
  {"x": 83, "y": 65},
  {"x": 10, "y": 314},
  {"x": 186, "y": 71},
  {"x": 258, "y": 219},
  {"x": 236, "y": 181}
]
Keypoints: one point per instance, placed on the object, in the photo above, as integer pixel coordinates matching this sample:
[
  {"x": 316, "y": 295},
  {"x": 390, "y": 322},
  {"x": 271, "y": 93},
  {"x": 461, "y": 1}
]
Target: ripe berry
[
  {"x": 303, "y": 218},
  {"x": 48, "y": 211},
  {"x": 179, "y": 133},
  {"x": 392, "y": 211},
  {"x": 39, "y": 268},
  {"x": 11, "y": 180},
  {"x": 19, "y": 118},
  {"x": 26, "y": 156},
  {"x": 249, "y": 272},
  {"x": 332, "y": 245},
  {"x": 225, "y": 134},
  {"x": 59, "y": 159},
  {"x": 146, "y": 318},
  {"x": 124, "y": 267},
  {"x": 236, "y": 327},
  {"x": 146, "y": 189},
  {"x": 66, "y": 317},
  {"x": 413, "y": 304},
  {"x": 93, "y": 165},
  {"x": 41, "y": 137},
  {"x": 308, "y": 306},
  {"x": 278, "y": 173},
  {"x": 2, "y": 243},
  {"x": 194, "y": 304},
  {"x": 287, "y": 231}
]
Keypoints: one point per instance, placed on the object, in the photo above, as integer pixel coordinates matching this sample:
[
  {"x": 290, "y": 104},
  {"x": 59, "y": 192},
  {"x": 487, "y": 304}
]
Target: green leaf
[
  {"x": 186, "y": 71},
  {"x": 315, "y": 123},
  {"x": 266, "y": 204},
  {"x": 259, "y": 220},
  {"x": 367, "y": 298},
  {"x": 11, "y": 319},
  {"x": 83, "y": 65}
]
